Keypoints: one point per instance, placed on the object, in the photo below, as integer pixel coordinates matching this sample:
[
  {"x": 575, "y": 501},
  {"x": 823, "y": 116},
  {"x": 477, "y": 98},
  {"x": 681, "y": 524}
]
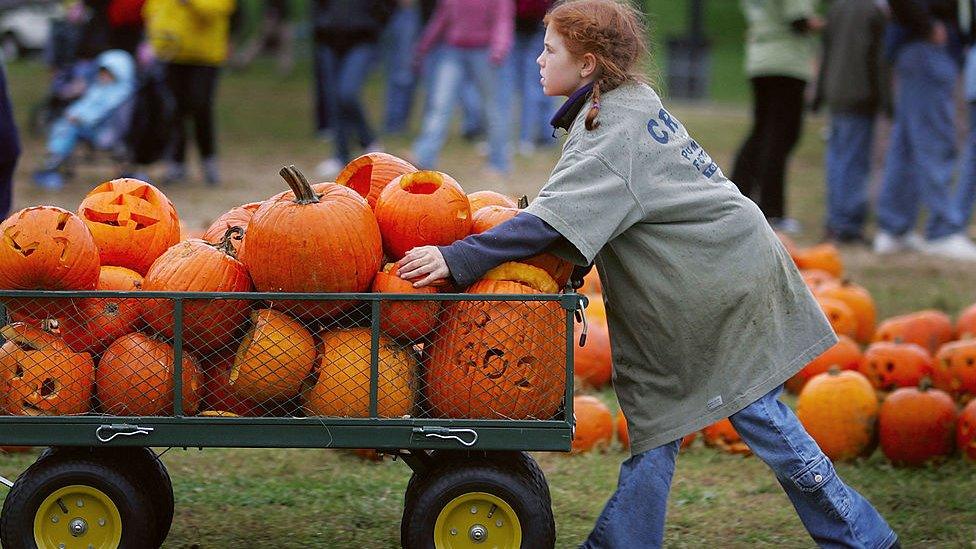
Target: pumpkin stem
[
  {"x": 299, "y": 185},
  {"x": 523, "y": 202},
  {"x": 925, "y": 384},
  {"x": 834, "y": 370},
  {"x": 225, "y": 245}
]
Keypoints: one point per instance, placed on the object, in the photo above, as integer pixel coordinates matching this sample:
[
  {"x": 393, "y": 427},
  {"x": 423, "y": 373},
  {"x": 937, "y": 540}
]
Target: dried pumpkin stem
[
  {"x": 232, "y": 233},
  {"x": 299, "y": 185},
  {"x": 523, "y": 202}
]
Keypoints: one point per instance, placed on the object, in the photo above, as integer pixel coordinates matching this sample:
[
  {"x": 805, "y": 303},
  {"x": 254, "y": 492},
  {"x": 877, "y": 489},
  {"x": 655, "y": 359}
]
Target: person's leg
[
  {"x": 541, "y": 106},
  {"x": 848, "y": 164},
  {"x": 177, "y": 81},
  {"x": 745, "y": 169},
  {"x": 833, "y": 513},
  {"x": 473, "y": 109},
  {"x": 445, "y": 86},
  {"x": 402, "y": 32},
  {"x": 966, "y": 191},
  {"x": 495, "y": 87},
  {"x": 323, "y": 122},
  {"x": 353, "y": 70},
  {"x": 204, "y": 86},
  {"x": 782, "y": 132},
  {"x": 634, "y": 515}
]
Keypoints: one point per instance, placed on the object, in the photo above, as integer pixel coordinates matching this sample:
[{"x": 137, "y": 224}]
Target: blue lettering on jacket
[{"x": 665, "y": 126}]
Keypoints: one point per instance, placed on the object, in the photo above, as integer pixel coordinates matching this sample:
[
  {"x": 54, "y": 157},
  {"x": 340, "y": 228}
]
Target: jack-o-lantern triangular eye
[
  {"x": 119, "y": 200},
  {"x": 142, "y": 221},
  {"x": 142, "y": 192},
  {"x": 10, "y": 237}
]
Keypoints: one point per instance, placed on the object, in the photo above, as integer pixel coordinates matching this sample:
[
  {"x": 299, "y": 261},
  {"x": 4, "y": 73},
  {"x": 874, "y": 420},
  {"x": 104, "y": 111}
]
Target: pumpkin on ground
[
  {"x": 930, "y": 329},
  {"x": 966, "y": 323},
  {"x": 420, "y": 209},
  {"x": 818, "y": 280},
  {"x": 135, "y": 377},
  {"x": 591, "y": 283},
  {"x": 955, "y": 368},
  {"x": 917, "y": 425},
  {"x": 592, "y": 362},
  {"x": 825, "y": 257},
  {"x": 840, "y": 315},
  {"x": 98, "y": 321},
  {"x": 966, "y": 431},
  {"x": 861, "y": 304},
  {"x": 238, "y": 216},
  {"x": 131, "y": 221},
  {"x": 46, "y": 248},
  {"x": 481, "y": 199},
  {"x": 722, "y": 435},
  {"x": 845, "y": 354},
  {"x": 594, "y": 424},
  {"x": 840, "y": 409},
  {"x": 273, "y": 360},
  {"x": 409, "y": 320},
  {"x": 891, "y": 365},
  {"x": 342, "y": 384},
  {"x": 623, "y": 435},
  {"x": 370, "y": 173},
  {"x": 321, "y": 240},
  {"x": 500, "y": 359},
  {"x": 196, "y": 265},
  {"x": 41, "y": 376}
]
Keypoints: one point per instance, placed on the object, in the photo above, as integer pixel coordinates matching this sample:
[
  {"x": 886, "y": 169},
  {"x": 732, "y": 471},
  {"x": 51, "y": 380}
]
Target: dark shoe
[{"x": 845, "y": 239}]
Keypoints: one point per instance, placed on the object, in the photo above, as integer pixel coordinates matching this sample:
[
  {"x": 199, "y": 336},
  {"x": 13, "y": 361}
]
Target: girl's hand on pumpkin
[{"x": 421, "y": 261}]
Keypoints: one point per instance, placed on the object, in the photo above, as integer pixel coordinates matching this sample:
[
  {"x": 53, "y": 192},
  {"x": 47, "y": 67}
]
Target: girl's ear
[{"x": 589, "y": 67}]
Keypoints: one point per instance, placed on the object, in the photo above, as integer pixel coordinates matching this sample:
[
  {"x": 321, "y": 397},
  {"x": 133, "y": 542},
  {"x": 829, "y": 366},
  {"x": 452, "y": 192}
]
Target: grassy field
[{"x": 316, "y": 498}]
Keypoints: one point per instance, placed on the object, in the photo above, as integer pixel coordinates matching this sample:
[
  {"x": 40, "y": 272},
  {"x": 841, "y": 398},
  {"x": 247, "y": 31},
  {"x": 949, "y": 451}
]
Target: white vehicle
[{"x": 25, "y": 26}]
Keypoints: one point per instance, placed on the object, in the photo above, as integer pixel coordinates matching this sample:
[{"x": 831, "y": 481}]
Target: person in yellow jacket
[{"x": 191, "y": 38}]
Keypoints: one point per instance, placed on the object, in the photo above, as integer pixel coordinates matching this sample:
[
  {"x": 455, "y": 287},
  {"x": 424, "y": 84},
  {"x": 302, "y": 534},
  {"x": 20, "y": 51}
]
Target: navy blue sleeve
[{"x": 522, "y": 236}]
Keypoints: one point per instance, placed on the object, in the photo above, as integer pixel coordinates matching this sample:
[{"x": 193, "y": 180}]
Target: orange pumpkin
[
  {"x": 722, "y": 435},
  {"x": 622, "y": 434},
  {"x": 891, "y": 365},
  {"x": 369, "y": 174},
  {"x": 966, "y": 431},
  {"x": 818, "y": 280},
  {"x": 136, "y": 374},
  {"x": 592, "y": 362},
  {"x": 489, "y": 217},
  {"x": 419, "y": 209},
  {"x": 930, "y": 329},
  {"x": 322, "y": 240},
  {"x": 41, "y": 376},
  {"x": 218, "y": 396},
  {"x": 966, "y": 323},
  {"x": 273, "y": 360},
  {"x": 410, "y": 320},
  {"x": 845, "y": 354},
  {"x": 839, "y": 409},
  {"x": 131, "y": 221},
  {"x": 917, "y": 425},
  {"x": 98, "y": 321},
  {"x": 825, "y": 257},
  {"x": 238, "y": 216},
  {"x": 861, "y": 304},
  {"x": 594, "y": 424},
  {"x": 841, "y": 317},
  {"x": 955, "y": 368},
  {"x": 342, "y": 384},
  {"x": 481, "y": 199},
  {"x": 591, "y": 283},
  {"x": 500, "y": 359},
  {"x": 46, "y": 248},
  {"x": 198, "y": 266}
]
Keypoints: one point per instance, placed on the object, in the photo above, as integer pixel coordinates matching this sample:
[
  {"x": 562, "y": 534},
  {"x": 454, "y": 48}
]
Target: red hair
[{"x": 613, "y": 32}]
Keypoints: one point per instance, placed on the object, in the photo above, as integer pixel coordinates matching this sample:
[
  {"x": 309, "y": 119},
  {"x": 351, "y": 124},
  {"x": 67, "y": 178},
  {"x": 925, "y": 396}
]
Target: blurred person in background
[
  {"x": 347, "y": 33},
  {"x": 966, "y": 187},
  {"x": 9, "y": 147},
  {"x": 191, "y": 38},
  {"x": 275, "y": 31},
  {"x": 477, "y": 37},
  {"x": 536, "y": 108},
  {"x": 854, "y": 83},
  {"x": 779, "y": 62},
  {"x": 926, "y": 45}
]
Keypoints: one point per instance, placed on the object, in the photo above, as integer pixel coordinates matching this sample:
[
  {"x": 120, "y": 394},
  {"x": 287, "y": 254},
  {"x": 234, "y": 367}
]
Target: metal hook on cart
[
  {"x": 581, "y": 317},
  {"x": 123, "y": 429},
  {"x": 448, "y": 433}
]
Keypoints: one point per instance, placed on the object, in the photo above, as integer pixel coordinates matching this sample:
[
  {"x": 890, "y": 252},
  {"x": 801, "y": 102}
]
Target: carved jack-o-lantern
[
  {"x": 41, "y": 376},
  {"x": 132, "y": 222},
  {"x": 500, "y": 359}
]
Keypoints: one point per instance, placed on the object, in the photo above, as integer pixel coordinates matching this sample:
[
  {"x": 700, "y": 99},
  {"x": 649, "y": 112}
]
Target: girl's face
[{"x": 560, "y": 69}]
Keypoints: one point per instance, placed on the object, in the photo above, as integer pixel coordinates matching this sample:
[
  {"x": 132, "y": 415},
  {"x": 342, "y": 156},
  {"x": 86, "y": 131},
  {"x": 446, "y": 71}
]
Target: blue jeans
[
  {"x": 537, "y": 107},
  {"x": 347, "y": 75},
  {"x": 9, "y": 147},
  {"x": 472, "y": 107},
  {"x": 922, "y": 154},
  {"x": 833, "y": 513},
  {"x": 401, "y": 37},
  {"x": 966, "y": 187},
  {"x": 457, "y": 65},
  {"x": 848, "y": 163}
]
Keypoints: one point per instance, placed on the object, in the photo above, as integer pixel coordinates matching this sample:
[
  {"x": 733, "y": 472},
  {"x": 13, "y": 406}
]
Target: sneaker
[
  {"x": 953, "y": 246},
  {"x": 329, "y": 168},
  {"x": 175, "y": 173},
  {"x": 211, "y": 171},
  {"x": 785, "y": 225},
  {"x": 887, "y": 243}
]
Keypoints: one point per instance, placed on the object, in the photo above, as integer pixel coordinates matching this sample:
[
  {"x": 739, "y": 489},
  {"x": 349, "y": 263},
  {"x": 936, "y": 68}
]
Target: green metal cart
[{"x": 99, "y": 484}]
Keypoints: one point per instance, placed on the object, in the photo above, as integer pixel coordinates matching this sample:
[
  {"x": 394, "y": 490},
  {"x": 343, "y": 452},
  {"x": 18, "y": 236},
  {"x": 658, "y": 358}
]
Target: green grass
[{"x": 319, "y": 498}]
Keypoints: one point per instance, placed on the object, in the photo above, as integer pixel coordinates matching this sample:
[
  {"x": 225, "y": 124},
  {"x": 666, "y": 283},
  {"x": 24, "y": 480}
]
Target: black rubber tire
[
  {"x": 144, "y": 469},
  {"x": 45, "y": 476},
  {"x": 512, "y": 476}
]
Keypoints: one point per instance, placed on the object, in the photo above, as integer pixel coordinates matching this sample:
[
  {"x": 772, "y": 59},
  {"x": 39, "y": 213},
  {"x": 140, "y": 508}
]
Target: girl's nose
[{"x": 538, "y": 60}]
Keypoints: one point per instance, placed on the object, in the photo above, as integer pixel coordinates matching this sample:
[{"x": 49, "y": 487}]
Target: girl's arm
[
  {"x": 503, "y": 31},
  {"x": 432, "y": 33},
  {"x": 469, "y": 259}
]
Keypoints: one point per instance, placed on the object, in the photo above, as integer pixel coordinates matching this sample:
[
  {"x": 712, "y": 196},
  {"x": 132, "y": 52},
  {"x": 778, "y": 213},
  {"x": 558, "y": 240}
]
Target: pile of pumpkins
[
  {"x": 912, "y": 389},
  {"x": 461, "y": 359}
]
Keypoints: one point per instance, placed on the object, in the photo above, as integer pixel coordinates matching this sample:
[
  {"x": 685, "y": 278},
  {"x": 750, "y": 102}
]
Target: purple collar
[{"x": 567, "y": 113}]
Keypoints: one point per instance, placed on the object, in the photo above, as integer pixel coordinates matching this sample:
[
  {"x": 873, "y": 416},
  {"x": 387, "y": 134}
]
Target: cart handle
[
  {"x": 448, "y": 433},
  {"x": 123, "y": 429}
]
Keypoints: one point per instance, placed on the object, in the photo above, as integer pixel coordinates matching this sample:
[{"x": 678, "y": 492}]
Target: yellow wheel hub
[
  {"x": 79, "y": 517},
  {"x": 477, "y": 520}
]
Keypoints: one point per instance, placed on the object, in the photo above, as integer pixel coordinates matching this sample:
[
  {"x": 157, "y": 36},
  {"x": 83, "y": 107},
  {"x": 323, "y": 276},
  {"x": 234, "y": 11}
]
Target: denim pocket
[{"x": 820, "y": 481}]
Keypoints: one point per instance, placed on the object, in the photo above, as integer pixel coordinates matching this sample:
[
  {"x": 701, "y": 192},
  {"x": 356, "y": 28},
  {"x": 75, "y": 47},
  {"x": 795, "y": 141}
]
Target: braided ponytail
[{"x": 591, "y": 122}]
